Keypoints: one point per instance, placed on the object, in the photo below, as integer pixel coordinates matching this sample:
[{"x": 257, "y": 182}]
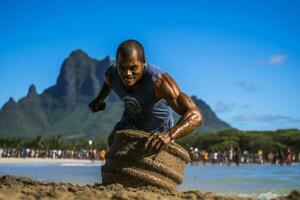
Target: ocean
[{"x": 248, "y": 180}]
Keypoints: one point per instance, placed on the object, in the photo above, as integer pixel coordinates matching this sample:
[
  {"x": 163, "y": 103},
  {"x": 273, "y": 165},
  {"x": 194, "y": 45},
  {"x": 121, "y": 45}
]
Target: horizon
[{"x": 247, "y": 55}]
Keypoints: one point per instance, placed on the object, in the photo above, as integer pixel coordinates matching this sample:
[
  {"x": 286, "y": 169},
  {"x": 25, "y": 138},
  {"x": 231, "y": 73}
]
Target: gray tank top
[{"x": 142, "y": 109}]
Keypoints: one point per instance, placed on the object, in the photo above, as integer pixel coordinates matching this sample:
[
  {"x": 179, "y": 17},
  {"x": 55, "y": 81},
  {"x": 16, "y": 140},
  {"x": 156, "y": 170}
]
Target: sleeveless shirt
[{"x": 142, "y": 109}]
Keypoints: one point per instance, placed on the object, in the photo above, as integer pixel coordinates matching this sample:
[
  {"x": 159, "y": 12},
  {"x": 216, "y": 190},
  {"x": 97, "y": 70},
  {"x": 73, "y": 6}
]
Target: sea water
[{"x": 248, "y": 180}]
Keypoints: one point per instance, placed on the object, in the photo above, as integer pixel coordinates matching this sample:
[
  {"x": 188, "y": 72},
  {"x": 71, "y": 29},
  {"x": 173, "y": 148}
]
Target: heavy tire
[{"x": 129, "y": 164}]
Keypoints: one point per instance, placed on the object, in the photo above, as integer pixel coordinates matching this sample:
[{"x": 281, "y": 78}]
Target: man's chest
[{"x": 139, "y": 102}]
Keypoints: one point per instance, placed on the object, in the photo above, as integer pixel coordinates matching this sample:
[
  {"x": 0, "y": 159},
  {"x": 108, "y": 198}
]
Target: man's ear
[{"x": 143, "y": 62}]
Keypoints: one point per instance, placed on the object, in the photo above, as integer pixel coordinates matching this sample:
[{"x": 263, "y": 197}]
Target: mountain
[
  {"x": 62, "y": 108},
  {"x": 211, "y": 123}
]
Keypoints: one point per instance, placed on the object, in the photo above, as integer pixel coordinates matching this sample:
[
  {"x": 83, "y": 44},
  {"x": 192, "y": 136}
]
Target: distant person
[
  {"x": 270, "y": 157},
  {"x": 230, "y": 155},
  {"x": 205, "y": 157},
  {"x": 280, "y": 157},
  {"x": 195, "y": 155},
  {"x": 260, "y": 157},
  {"x": 237, "y": 156},
  {"x": 288, "y": 157},
  {"x": 275, "y": 158},
  {"x": 215, "y": 158},
  {"x": 148, "y": 94},
  {"x": 102, "y": 154}
]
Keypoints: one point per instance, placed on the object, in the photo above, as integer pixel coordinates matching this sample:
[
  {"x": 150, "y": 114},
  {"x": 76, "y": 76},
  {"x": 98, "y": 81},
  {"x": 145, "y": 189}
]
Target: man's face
[{"x": 130, "y": 69}]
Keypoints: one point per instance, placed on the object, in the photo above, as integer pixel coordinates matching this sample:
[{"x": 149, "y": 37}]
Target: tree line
[
  {"x": 54, "y": 142},
  {"x": 251, "y": 141}
]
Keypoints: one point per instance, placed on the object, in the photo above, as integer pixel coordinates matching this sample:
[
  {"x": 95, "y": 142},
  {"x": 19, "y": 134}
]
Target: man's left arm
[{"x": 166, "y": 88}]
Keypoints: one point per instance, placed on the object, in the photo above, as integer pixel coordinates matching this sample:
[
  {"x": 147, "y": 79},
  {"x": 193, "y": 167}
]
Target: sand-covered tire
[{"x": 128, "y": 163}]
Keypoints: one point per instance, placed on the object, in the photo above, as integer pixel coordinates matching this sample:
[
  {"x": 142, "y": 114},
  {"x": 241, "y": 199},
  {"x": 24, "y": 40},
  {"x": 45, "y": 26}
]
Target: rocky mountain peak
[
  {"x": 9, "y": 105},
  {"x": 79, "y": 79},
  {"x": 210, "y": 118},
  {"x": 77, "y": 53},
  {"x": 11, "y": 100},
  {"x": 32, "y": 90},
  {"x": 106, "y": 59}
]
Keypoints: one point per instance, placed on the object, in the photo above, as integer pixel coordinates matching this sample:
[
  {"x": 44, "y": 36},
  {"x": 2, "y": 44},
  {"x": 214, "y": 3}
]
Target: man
[{"x": 148, "y": 94}]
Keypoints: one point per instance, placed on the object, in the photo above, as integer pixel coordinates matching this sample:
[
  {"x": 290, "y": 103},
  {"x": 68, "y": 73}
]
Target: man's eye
[{"x": 133, "y": 68}]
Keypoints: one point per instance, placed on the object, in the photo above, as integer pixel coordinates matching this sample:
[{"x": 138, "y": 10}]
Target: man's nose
[{"x": 128, "y": 72}]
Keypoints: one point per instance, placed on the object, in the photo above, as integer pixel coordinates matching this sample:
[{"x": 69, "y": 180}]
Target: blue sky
[{"x": 241, "y": 57}]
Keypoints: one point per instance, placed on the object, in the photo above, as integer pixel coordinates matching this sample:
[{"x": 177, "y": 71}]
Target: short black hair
[{"x": 126, "y": 48}]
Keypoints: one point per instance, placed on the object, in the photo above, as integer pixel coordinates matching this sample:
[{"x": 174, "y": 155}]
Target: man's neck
[{"x": 133, "y": 88}]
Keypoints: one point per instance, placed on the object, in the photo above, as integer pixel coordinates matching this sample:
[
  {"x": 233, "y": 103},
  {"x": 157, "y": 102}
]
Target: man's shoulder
[
  {"x": 166, "y": 87},
  {"x": 153, "y": 67},
  {"x": 154, "y": 71}
]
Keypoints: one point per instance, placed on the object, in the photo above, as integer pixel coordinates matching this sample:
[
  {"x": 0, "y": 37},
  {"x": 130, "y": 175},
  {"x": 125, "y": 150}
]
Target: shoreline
[
  {"x": 14, "y": 160},
  {"x": 47, "y": 161}
]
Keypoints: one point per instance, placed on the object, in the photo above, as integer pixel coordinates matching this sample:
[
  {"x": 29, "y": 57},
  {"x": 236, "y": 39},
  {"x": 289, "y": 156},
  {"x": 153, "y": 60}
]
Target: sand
[
  {"x": 45, "y": 161},
  {"x": 24, "y": 188}
]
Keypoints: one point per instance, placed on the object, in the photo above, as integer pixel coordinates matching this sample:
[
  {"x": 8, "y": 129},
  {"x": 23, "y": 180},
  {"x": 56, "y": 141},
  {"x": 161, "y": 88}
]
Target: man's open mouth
[{"x": 129, "y": 79}]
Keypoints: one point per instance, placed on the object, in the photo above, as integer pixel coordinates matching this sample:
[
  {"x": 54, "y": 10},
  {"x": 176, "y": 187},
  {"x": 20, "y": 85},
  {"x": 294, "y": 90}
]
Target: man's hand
[
  {"x": 97, "y": 105},
  {"x": 157, "y": 140}
]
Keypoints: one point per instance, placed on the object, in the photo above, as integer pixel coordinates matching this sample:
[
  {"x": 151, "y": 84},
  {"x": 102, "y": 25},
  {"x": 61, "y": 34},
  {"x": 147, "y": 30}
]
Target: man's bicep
[
  {"x": 184, "y": 101},
  {"x": 178, "y": 105},
  {"x": 169, "y": 90}
]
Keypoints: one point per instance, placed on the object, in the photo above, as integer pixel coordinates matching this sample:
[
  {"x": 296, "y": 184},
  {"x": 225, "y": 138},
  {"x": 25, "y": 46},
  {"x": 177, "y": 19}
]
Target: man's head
[{"x": 130, "y": 60}]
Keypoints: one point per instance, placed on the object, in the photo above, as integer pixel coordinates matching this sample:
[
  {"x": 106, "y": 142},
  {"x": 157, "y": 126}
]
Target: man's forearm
[
  {"x": 186, "y": 124},
  {"x": 105, "y": 90}
]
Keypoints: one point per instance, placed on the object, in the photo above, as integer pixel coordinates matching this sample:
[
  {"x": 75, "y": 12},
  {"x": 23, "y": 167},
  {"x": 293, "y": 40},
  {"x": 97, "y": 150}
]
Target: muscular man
[{"x": 148, "y": 94}]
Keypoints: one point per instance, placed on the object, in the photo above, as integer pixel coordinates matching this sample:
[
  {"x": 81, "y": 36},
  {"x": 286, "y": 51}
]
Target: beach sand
[
  {"x": 24, "y": 188},
  {"x": 45, "y": 161}
]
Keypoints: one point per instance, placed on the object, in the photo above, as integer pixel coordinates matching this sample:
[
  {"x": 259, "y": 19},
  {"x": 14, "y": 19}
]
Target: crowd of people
[
  {"x": 91, "y": 154},
  {"x": 233, "y": 155}
]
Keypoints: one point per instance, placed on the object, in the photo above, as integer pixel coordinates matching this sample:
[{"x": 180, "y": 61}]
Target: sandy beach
[
  {"x": 24, "y": 188},
  {"x": 45, "y": 161}
]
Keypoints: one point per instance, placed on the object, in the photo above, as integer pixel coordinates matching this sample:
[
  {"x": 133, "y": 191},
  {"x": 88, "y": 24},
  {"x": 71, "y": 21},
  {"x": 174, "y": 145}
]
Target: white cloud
[
  {"x": 273, "y": 60},
  {"x": 223, "y": 107},
  {"x": 264, "y": 118},
  {"x": 247, "y": 87}
]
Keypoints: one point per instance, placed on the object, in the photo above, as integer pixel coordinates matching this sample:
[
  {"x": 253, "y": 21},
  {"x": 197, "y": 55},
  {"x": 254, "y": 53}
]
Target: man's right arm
[
  {"x": 98, "y": 103},
  {"x": 106, "y": 88}
]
